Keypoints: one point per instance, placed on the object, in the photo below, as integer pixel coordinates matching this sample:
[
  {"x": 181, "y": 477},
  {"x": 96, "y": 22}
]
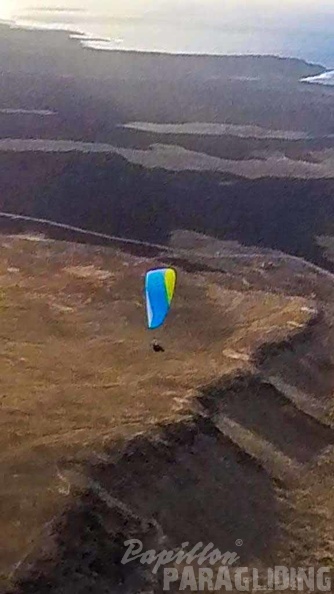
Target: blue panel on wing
[{"x": 157, "y": 303}]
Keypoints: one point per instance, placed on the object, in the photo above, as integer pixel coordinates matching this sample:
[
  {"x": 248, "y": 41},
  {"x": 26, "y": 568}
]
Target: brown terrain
[{"x": 225, "y": 437}]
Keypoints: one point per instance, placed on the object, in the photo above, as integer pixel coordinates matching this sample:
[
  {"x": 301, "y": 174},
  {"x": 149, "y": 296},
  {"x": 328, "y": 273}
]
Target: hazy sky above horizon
[
  {"x": 223, "y": 9},
  {"x": 300, "y": 28}
]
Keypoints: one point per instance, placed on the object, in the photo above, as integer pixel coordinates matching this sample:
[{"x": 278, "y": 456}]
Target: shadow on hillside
[
  {"x": 259, "y": 407},
  {"x": 305, "y": 362},
  {"x": 107, "y": 194},
  {"x": 188, "y": 483}
]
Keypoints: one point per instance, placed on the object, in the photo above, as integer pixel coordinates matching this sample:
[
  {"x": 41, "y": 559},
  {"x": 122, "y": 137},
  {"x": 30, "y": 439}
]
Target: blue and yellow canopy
[{"x": 159, "y": 291}]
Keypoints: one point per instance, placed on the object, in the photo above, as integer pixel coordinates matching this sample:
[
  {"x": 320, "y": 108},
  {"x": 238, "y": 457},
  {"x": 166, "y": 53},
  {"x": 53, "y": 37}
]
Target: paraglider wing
[{"x": 159, "y": 291}]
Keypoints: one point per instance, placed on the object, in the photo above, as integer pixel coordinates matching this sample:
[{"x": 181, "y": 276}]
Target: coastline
[
  {"x": 263, "y": 163},
  {"x": 326, "y": 78},
  {"x": 105, "y": 44}
]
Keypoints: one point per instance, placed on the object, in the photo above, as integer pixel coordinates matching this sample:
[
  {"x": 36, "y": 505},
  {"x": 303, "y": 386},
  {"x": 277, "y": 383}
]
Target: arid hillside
[{"x": 222, "y": 438}]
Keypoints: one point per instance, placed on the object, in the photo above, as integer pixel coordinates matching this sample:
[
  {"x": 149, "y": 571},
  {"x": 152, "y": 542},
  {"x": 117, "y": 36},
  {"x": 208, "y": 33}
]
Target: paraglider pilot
[{"x": 157, "y": 347}]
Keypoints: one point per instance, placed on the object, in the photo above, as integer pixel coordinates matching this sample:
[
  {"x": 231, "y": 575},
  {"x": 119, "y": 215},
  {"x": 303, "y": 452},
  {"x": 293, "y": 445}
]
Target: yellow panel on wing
[{"x": 170, "y": 282}]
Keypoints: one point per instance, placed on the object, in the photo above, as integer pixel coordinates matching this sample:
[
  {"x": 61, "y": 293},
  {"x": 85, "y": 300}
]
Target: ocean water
[
  {"x": 189, "y": 26},
  {"x": 327, "y": 78}
]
